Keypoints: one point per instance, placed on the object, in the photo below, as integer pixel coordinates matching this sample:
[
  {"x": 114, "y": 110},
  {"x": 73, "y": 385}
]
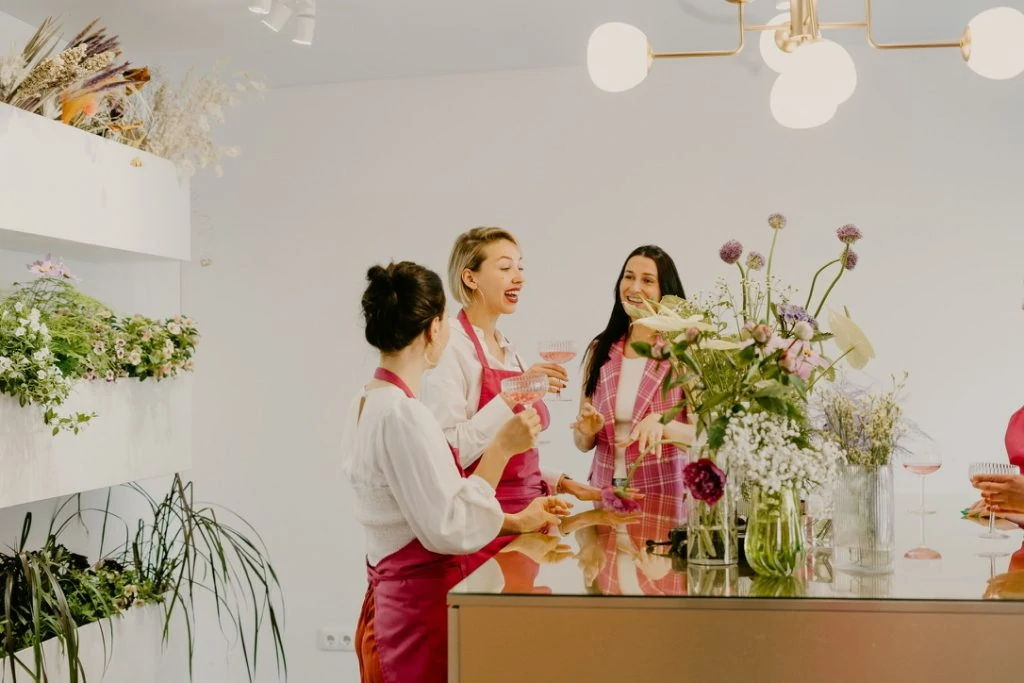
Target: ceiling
[{"x": 381, "y": 39}]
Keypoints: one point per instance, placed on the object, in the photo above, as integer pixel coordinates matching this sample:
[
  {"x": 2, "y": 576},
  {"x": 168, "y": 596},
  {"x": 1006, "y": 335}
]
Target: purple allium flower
[
  {"x": 849, "y": 259},
  {"x": 848, "y": 234},
  {"x": 792, "y": 314},
  {"x": 704, "y": 480},
  {"x": 618, "y": 500},
  {"x": 755, "y": 260},
  {"x": 731, "y": 252},
  {"x": 777, "y": 221}
]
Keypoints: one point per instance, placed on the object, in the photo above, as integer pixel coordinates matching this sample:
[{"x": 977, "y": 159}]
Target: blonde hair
[{"x": 468, "y": 252}]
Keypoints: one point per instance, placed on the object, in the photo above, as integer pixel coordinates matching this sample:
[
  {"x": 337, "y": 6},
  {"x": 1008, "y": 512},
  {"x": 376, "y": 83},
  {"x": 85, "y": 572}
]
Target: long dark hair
[{"x": 618, "y": 323}]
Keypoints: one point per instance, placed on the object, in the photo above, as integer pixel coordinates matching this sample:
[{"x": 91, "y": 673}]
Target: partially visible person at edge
[
  {"x": 485, "y": 274},
  {"x": 622, "y": 403},
  {"x": 418, "y": 511},
  {"x": 1003, "y": 494}
]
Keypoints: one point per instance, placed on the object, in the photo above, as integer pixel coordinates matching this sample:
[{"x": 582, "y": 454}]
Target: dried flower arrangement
[{"x": 87, "y": 86}]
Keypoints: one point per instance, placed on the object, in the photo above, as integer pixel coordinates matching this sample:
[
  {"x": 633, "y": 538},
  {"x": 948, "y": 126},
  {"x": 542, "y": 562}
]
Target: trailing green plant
[
  {"x": 52, "y": 335},
  {"x": 184, "y": 553}
]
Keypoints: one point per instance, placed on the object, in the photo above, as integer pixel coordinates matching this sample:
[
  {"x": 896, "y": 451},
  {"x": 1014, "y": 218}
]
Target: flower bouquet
[{"x": 751, "y": 350}]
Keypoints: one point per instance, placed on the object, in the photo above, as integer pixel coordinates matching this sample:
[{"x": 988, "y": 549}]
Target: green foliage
[{"x": 186, "y": 551}]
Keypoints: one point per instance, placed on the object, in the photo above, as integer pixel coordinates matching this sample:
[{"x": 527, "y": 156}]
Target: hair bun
[
  {"x": 380, "y": 296},
  {"x": 399, "y": 304}
]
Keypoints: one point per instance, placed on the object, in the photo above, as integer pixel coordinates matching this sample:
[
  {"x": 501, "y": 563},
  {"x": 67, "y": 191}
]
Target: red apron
[
  {"x": 402, "y": 635},
  {"x": 521, "y": 482},
  {"x": 1015, "y": 439}
]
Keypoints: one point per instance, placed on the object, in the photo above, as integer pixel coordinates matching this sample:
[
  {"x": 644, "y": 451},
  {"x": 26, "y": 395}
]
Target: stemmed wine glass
[
  {"x": 559, "y": 351},
  {"x": 922, "y": 463},
  {"x": 978, "y": 468},
  {"x": 526, "y": 389}
]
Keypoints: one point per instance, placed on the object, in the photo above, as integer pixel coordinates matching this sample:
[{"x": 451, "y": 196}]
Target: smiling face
[
  {"x": 497, "y": 282},
  {"x": 639, "y": 282}
]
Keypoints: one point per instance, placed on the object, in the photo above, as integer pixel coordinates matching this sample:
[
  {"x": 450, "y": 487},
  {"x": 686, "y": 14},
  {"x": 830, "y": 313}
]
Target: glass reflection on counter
[
  {"x": 616, "y": 559},
  {"x": 922, "y": 559},
  {"x": 1010, "y": 585}
]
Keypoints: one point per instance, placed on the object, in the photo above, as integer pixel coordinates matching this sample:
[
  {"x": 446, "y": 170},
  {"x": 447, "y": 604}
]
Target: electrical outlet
[{"x": 334, "y": 639}]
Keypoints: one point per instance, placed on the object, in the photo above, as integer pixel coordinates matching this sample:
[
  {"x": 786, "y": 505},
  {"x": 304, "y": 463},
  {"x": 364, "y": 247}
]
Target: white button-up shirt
[
  {"x": 452, "y": 393},
  {"x": 406, "y": 484}
]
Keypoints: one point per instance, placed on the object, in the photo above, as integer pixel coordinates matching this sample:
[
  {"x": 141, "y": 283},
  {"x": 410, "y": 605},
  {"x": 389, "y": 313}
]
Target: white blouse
[
  {"x": 630, "y": 376},
  {"x": 406, "y": 483},
  {"x": 452, "y": 392}
]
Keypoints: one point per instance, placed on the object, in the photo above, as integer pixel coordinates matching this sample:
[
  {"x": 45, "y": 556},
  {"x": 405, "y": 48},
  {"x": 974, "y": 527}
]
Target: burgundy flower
[
  {"x": 849, "y": 259},
  {"x": 618, "y": 500},
  {"x": 848, "y": 234},
  {"x": 731, "y": 252},
  {"x": 704, "y": 480}
]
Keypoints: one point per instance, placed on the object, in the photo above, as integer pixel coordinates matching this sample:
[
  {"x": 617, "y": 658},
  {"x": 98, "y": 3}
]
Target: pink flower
[
  {"x": 704, "y": 480},
  {"x": 777, "y": 221},
  {"x": 799, "y": 358},
  {"x": 618, "y": 500},
  {"x": 848, "y": 234},
  {"x": 849, "y": 259},
  {"x": 731, "y": 252}
]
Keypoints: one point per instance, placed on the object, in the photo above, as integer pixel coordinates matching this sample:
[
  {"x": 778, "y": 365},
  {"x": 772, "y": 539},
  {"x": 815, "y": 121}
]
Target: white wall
[{"x": 923, "y": 159}]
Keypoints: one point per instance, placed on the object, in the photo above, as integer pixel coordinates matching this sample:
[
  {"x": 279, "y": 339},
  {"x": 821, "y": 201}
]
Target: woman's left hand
[
  {"x": 647, "y": 435},
  {"x": 1001, "y": 492},
  {"x": 578, "y": 490}
]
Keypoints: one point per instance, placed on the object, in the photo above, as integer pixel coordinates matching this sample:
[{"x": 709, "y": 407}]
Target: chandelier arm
[
  {"x": 964, "y": 43},
  {"x": 711, "y": 53}
]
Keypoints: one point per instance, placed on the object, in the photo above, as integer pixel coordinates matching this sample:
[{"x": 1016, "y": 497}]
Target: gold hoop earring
[{"x": 426, "y": 357}]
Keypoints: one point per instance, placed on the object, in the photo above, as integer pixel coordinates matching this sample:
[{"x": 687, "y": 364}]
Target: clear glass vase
[
  {"x": 774, "y": 537},
  {"x": 711, "y": 531},
  {"x": 863, "y": 519}
]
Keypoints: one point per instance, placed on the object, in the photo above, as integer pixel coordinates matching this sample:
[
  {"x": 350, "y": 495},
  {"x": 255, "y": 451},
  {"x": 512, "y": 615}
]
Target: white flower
[
  {"x": 850, "y": 339},
  {"x": 759, "y": 450},
  {"x": 173, "y": 328},
  {"x": 19, "y": 332},
  {"x": 18, "y": 306},
  {"x": 803, "y": 330},
  {"x": 135, "y": 357}
]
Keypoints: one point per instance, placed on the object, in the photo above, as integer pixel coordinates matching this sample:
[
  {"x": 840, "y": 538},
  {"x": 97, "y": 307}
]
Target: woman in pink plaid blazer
[{"x": 622, "y": 403}]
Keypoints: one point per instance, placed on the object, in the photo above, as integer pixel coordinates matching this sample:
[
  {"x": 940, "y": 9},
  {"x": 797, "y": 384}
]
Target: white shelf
[
  {"x": 136, "y": 651},
  {"x": 66, "y": 191},
  {"x": 141, "y": 430}
]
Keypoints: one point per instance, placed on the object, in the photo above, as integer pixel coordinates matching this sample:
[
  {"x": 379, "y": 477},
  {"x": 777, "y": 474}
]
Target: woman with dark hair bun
[{"x": 418, "y": 510}]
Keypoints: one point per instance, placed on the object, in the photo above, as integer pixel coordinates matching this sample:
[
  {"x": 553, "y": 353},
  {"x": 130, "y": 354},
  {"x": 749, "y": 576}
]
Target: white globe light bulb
[
  {"x": 776, "y": 59},
  {"x": 796, "y": 103},
  {"x": 997, "y": 43},
  {"x": 828, "y": 66},
  {"x": 618, "y": 57}
]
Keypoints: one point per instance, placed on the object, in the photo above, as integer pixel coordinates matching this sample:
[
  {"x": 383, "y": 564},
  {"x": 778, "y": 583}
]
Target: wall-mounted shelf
[{"x": 66, "y": 191}]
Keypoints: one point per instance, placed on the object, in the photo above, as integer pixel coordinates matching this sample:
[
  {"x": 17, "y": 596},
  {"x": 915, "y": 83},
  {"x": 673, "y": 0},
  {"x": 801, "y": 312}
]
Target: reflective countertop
[{"x": 937, "y": 557}]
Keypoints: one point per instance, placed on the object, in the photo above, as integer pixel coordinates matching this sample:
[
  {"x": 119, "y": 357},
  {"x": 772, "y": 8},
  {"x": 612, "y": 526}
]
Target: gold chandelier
[{"x": 815, "y": 75}]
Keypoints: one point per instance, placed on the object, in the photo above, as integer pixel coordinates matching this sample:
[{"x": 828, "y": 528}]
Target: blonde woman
[{"x": 485, "y": 274}]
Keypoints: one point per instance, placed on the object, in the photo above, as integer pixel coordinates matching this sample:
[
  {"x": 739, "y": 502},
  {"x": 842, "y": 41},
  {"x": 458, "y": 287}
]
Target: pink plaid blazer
[{"x": 663, "y": 476}]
